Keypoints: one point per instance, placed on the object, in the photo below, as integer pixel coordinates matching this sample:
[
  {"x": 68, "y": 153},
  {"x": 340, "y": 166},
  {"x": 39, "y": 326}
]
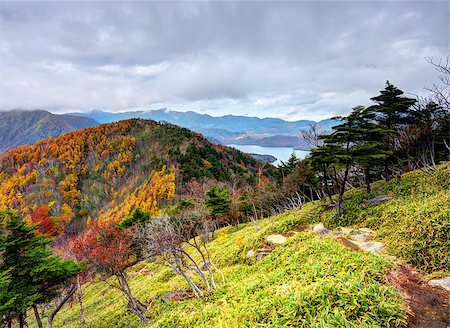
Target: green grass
[{"x": 309, "y": 281}]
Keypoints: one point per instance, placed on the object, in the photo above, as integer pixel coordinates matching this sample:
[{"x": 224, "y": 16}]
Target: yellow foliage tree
[{"x": 158, "y": 190}]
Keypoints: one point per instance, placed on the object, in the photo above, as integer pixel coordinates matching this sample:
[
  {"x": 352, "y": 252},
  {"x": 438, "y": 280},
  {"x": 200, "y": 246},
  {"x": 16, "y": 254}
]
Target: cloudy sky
[{"x": 293, "y": 60}]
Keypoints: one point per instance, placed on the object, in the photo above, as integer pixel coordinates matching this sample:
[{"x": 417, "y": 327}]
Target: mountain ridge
[
  {"x": 19, "y": 127},
  {"x": 227, "y": 129}
]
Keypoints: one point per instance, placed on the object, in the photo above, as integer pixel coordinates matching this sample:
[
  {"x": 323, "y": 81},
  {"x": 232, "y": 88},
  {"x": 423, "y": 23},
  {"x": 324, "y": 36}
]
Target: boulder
[
  {"x": 377, "y": 200},
  {"x": 346, "y": 231},
  {"x": 276, "y": 239},
  {"x": 370, "y": 246},
  {"x": 320, "y": 229},
  {"x": 367, "y": 230},
  {"x": 337, "y": 233},
  {"x": 250, "y": 253},
  {"x": 360, "y": 237},
  {"x": 443, "y": 282}
]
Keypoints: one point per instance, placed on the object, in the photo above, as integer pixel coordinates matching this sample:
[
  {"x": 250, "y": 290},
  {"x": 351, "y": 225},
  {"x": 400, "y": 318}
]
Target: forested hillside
[{"x": 114, "y": 168}]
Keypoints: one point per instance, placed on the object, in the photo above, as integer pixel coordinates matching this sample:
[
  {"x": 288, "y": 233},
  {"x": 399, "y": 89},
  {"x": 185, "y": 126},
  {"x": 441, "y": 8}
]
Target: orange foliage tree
[{"x": 109, "y": 252}]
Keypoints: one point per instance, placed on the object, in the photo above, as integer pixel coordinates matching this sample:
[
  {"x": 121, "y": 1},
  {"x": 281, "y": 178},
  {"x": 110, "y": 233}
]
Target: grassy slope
[{"x": 308, "y": 281}]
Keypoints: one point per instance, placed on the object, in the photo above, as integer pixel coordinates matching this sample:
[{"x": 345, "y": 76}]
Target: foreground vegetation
[{"x": 310, "y": 281}]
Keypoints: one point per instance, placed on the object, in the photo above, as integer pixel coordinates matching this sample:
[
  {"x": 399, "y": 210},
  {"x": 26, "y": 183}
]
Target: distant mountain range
[
  {"x": 228, "y": 129},
  {"x": 18, "y": 127}
]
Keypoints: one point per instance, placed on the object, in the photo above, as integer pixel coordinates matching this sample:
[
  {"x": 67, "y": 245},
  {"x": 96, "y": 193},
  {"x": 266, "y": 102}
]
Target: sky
[{"x": 292, "y": 60}]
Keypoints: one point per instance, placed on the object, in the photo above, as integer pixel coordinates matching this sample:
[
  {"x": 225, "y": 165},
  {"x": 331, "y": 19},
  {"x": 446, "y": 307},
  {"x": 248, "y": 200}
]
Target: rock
[
  {"x": 250, "y": 253},
  {"x": 176, "y": 295},
  {"x": 261, "y": 255},
  {"x": 360, "y": 237},
  {"x": 367, "y": 230},
  {"x": 337, "y": 233},
  {"x": 346, "y": 231},
  {"x": 370, "y": 246},
  {"x": 443, "y": 282},
  {"x": 320, "y": 229},
  {"x": 377, "y": 200},
  {"x": 276, "y": 239}
]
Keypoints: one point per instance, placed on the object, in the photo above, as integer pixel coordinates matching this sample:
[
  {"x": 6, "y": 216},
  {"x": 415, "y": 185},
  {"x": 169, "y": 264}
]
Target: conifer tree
[
  {"x": 393, "y": 111},
  {"x": 287, "y": 167},
  {"x": 31, "y": 274},
  {"x": 218, "y": 201},
  {"x": 357, "y": 140}
]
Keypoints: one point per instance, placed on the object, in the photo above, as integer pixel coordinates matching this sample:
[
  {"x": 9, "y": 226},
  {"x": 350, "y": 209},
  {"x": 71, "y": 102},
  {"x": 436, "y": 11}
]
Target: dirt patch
[
  {"x": 429, "y": 306},
  {"x": 348, "y": 244}
]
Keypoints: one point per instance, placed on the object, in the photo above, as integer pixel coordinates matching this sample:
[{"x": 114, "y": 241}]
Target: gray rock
[
  {"x": 261, "y": 255},
  {"x": 370, "y": 246},
  {"x": 276, "y": 239},
  {"x": 443, "y": 282},
  {"x": 360, "y": 237},
  {"x": 250, "y": 253},
  {"x": 320, "y": 229},
  {"x": 377, "y": 200},
  {"x": 346, "y": 231},
  {"x": 367, "y": 230}
]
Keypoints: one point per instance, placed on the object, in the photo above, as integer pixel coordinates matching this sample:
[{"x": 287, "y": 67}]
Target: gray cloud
[{"x": 287, "y": 59}]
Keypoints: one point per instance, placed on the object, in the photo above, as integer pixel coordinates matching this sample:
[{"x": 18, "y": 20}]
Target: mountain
[
  {"x": 18, "y": 127},
  {"x": 194, "y": 121},
  {"x": 96, "y": 170},
  {"x": 228, "y": 129}
]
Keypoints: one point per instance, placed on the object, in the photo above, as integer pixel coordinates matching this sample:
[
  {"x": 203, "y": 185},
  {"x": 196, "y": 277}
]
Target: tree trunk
[
  {"x": 38, "y": 317},
  {"x": 80, "y": 302},
  {"x": 50, "y": 321},
  {"x": 21, "y": 320},
  {"x": 59, "y": 305},
  {"x": 367, "y": 178},
  {"x": 194, "y": 287},
  {"x": 341, "y": 193},
  {"x": 386, "y": 171},
  {"x": 122, "y": 277}
]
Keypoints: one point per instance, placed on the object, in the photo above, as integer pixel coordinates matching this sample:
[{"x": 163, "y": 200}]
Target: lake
[{"x": 281, "y": 153}]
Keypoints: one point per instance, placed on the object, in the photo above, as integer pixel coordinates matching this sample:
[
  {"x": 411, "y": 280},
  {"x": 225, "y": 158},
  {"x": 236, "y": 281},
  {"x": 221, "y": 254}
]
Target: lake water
[{"x": 281, "y": 153}]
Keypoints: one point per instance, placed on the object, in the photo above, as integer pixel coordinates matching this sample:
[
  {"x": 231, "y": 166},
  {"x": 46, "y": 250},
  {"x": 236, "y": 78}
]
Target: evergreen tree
[
  {"x": 31, "y": 274},
  {"x": 393, "y": 112},
  {"x": 218, "y": 201},
  {"x": 357, "y": 140},
  {"x": 287, "y": 167}
]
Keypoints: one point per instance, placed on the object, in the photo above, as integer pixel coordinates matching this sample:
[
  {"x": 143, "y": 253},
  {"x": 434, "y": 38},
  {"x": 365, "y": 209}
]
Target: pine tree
[
  {"x": 357, "y": 140},
  {"x": 31, "y": 274},
  {"x": 287, "y": 167},
  {"x": 393, "y": 112},
  {"x": 218, "y": 201}
]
